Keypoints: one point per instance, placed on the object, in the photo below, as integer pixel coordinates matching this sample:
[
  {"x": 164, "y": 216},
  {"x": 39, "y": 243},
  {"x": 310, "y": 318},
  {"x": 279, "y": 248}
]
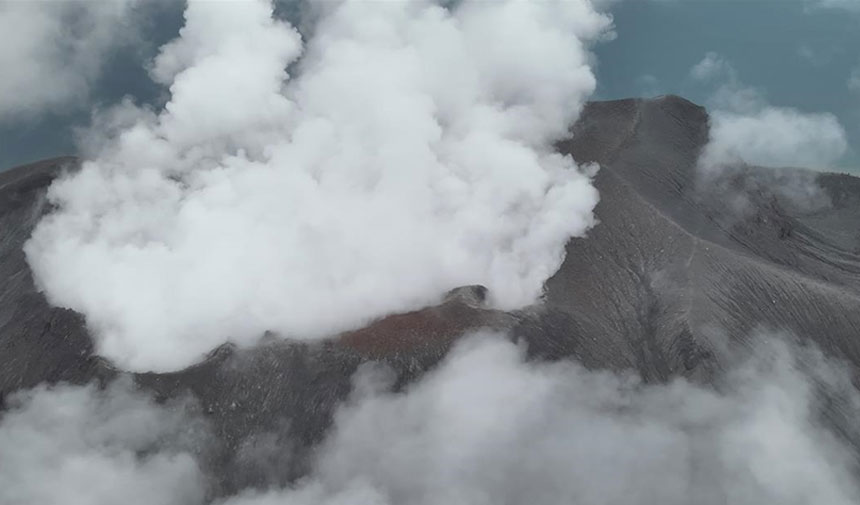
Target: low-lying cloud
[
  {"x": 76, "y": 445},
  {"x": 746, "y": 129},
  {"x": 489, "y": 428},
  {"x": 409, "y": 152},
  {"x": 486, "y": 427},
  {"x": 775, "y": 136}
]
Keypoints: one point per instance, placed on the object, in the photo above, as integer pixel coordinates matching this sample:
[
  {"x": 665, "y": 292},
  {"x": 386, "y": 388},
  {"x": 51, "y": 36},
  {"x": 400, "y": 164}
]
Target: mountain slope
[{"x": 672, "y": 274}]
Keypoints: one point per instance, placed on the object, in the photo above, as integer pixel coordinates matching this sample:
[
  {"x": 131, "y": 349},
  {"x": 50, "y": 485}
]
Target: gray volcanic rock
[
  {"x": 673, "y": 277},
  {"x": 37, "y": 342},
  {"x": 673, "y": 274}
]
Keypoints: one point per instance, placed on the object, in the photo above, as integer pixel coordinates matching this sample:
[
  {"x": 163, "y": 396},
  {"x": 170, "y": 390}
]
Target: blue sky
[{"x": 793, "y": 53}]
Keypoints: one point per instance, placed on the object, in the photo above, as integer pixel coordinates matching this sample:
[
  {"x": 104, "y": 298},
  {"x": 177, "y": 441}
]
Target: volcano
[{"x": 675, "y": 278}]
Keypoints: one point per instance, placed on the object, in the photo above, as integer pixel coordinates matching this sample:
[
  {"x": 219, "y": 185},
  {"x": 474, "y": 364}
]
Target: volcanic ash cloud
[{"x": 408, "y": 152}]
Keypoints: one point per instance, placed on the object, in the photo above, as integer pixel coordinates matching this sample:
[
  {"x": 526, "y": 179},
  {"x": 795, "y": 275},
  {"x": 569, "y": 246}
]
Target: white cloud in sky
[
  {"x": 745, "y": 128},
  {"x": 54, "y": 50}
]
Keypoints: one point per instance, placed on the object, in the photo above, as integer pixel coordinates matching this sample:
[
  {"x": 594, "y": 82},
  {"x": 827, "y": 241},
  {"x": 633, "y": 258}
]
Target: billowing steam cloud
[
  {"x": 746, "y": 129},
  {"x": 409, "y": 153},
  {"x": 53, "y": 51},
  {"x": 488, "y": 427}
]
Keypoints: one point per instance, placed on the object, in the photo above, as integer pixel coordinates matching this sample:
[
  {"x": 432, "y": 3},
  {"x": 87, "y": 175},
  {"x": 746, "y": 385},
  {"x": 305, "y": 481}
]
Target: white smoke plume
[
  {"x": 80, "y": 445},
  {"x": 409, "y": 152},
  {"x": 745, "y": 129},
  {"x": 54, "y": 50},
  {"x": 486, "y": 427}
]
